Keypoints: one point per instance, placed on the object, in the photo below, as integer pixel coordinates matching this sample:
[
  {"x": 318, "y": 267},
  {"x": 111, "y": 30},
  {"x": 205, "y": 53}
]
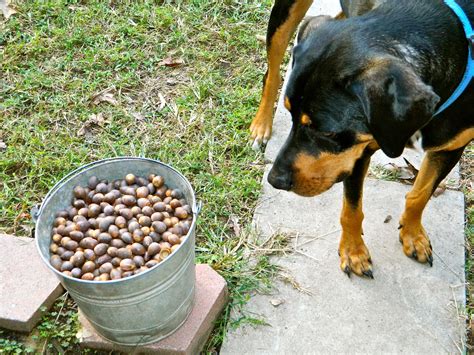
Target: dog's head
[{"x": 344, "y": 97}]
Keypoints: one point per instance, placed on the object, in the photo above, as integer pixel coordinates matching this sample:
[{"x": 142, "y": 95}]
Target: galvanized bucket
[{"x": 143, "y": 308}]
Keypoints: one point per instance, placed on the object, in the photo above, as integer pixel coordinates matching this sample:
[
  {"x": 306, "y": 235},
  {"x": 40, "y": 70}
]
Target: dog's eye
[{"x": 329, "y": 134}]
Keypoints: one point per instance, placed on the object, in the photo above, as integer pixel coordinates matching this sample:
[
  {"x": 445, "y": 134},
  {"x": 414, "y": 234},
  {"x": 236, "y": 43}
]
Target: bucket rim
[{"x": 196, "y": 208}]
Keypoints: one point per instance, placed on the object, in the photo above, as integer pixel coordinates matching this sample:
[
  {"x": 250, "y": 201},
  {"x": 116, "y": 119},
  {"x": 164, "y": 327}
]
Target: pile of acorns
[{"x": 118, "y": 229}]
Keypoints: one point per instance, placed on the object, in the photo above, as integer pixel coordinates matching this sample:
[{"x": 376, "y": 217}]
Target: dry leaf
[
  {"x": 440, "y": 190},
  {"x": 106, "y": 95},
  {"x": 234, "y": 224},
  {"x": 138, "y": 116},
  {"x": 3, "y": 145},
  {"x": 162, "y": 101},
  {"x": 387, "y": 219},
  {"x": 261, "y": 38},
  {"x": 93, "y": 121},
  {"x": 172, "y": 62},
  {"x": 6, "y": 9},
  {"x": 276, "y": 302}
]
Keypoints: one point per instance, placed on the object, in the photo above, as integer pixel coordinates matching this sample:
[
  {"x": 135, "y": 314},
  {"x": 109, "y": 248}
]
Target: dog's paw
[
  {"x": 260, "y": 132},
  {"x": 416, "y": 243},
  {"x": 355, "y": 258}
]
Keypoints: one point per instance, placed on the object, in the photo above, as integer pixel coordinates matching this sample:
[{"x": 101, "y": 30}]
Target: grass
[{"x": 56, "y": 55}]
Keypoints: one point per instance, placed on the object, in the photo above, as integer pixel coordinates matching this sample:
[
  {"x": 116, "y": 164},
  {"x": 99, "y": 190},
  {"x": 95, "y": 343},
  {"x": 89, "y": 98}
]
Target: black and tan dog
[{"x": 371, "y": 82}]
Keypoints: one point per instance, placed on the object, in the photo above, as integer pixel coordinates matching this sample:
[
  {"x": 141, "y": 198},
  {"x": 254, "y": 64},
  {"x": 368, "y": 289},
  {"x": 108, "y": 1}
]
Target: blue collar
[{"x": 469, "y": 73}]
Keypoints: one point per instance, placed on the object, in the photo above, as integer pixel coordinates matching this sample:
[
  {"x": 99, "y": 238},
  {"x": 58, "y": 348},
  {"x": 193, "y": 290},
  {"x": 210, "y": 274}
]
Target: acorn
[
  {"x": 100, "y": 249},
  {"x": 89, "y": 254},
  {"x": 159, "y": 227},
  {"x": 56, "y": 262},
  {"x": 158, "y": 181},
  {"x": 153, "y": 249},
  {"x": 87, "y": 276},
  {"x": 144, "y": 221},
  {"x": 67, "y": 255},
  {"x": 112, "y": 251},
  {"x": 79, "y": 192},
  {"x": 53, "y": 248},
  {"x": 93, "y": 182},
  {"x": 143, "y": 202},
  {"x": 138, "y": 249},
  {"x": 89, "y": 266},
  {"x": 104, "y": 238},
  {"x": 127, "y": 265},
  {"x": 124, "y": 253},
  {"x": 116, "y": 274},
  {"x": 129, "y": 200},
  {"x": 142, "y": 192},
  {"x": 174, "y": 239},
  {"x": 76, "y": 272},
  {"x": 117, "y": 243},
  {"x": 103, "y": 259},
  {"x": 66, "y": 266},
  {"x": 181, "y": 213},
  {"x": 136, "y": 210},
  {"x": 106, "y": 268},
  {"x": 103, "y": 277},
  {"x": 138, "y": 260}
]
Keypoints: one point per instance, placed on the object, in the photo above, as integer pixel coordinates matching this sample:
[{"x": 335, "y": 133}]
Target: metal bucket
[{"x": 143, "y": 308}]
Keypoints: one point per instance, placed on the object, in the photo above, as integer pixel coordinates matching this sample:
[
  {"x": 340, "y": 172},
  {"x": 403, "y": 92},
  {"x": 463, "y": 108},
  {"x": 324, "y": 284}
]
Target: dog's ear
[
  {"x": 395, "y": 101},
  {"x": 310, "y": 24}
]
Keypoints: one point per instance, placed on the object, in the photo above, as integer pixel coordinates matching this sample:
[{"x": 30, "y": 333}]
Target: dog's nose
[{"x": 280, "y": 180}]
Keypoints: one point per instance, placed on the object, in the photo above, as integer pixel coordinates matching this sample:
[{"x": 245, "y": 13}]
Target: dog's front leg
[
  {"x": 284, "y": 18},
  {"x": 434, "y": 168},
  {"x": 353, "y": 253}
]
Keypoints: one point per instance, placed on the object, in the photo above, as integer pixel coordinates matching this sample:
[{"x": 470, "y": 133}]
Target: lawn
[{"x": 176, "y": 81}]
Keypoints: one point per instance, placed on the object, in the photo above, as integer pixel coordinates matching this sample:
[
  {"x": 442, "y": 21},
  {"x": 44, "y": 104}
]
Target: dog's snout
[{"x": 280, "y": 180}]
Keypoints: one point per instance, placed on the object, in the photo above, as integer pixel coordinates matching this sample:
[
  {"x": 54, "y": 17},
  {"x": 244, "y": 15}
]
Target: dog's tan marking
[
  {"x": 287, "y": 103},
  {"x": 460, "y": 140},
  {"x": 412, "y": 233},
  {"x": 313, "y": 175},
  {"x": 340, "y": 16},
  {"x": 305, "y": 120},
  {"x": 261, "y": 127},
  {"x": 354, "y": 255}
]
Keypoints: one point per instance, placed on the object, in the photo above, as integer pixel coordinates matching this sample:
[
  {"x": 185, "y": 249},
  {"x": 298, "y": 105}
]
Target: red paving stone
[
  {"x": 210, "y": 299},
  {"x": 26, "y": 284}
]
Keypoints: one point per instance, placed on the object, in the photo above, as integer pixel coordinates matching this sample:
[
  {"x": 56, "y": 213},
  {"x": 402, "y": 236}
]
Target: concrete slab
[
  {"x": 26, "y": 284},
  {"x": 408, "y": 307},
  {"x": 211, "y": 297}
]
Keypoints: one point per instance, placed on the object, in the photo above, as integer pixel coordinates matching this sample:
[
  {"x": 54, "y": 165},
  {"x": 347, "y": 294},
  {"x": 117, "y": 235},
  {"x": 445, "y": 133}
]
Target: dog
[{"x": 372, "y": 81}]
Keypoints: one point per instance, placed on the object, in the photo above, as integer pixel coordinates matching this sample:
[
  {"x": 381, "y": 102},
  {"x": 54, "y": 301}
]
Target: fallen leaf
[
  {"x": 3, "y": 145},
  {"x": 172, "y": 62},
  {"x": 440, "y": 189},
  {"x": 138, "y": 116},
  {"x": 162, "y": 101},
  {"x": 6, "y": 9},
  {"x": 106, "y": 95},
  {"x": 92, "y": 122},
  {"x": 276, "y": 302},
  {"x": 234, "y": 224},
  {"x": 387, "y": 219},
  {"x": 261, "y": 38}
]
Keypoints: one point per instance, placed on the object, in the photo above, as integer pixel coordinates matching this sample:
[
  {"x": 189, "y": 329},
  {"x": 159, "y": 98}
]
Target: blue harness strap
[{"x": 469, "y": 73}]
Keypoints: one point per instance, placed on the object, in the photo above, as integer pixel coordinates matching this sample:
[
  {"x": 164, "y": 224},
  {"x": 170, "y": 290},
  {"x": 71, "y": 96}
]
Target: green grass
[{"x": 56, "y": 55}]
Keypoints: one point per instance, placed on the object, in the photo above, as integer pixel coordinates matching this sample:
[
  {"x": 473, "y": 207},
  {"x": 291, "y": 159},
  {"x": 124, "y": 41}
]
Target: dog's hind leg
[
  {"x": 284, "y": 18},
  {"x": 434, "y": 168},
  {"x": 354, "y": 255}
]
